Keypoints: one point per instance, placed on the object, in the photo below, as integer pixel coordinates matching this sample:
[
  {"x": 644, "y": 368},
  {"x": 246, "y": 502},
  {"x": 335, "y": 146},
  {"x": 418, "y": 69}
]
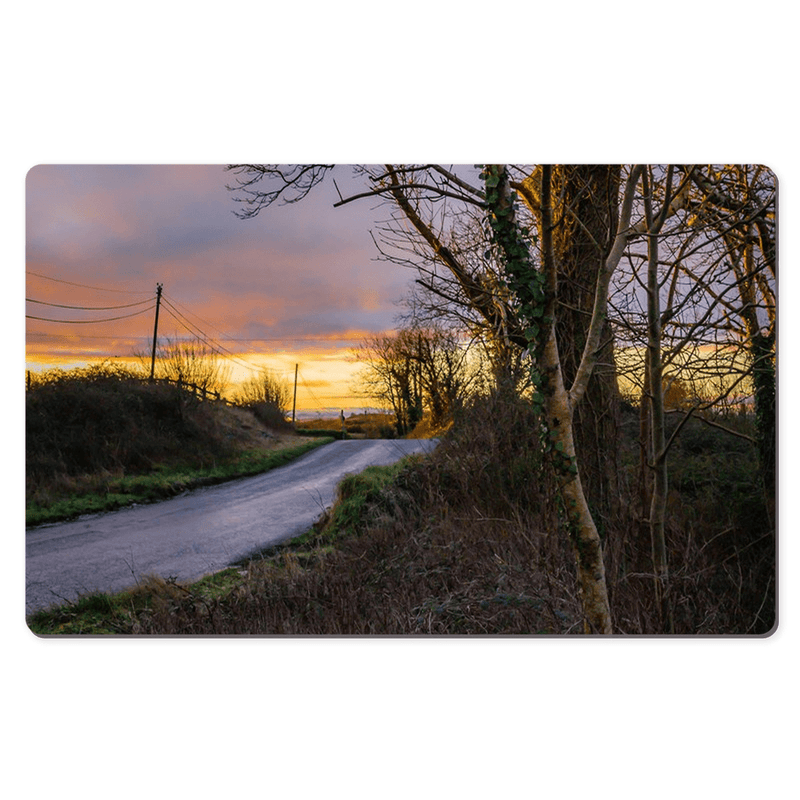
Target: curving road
[{"x": 198, "y": 532}]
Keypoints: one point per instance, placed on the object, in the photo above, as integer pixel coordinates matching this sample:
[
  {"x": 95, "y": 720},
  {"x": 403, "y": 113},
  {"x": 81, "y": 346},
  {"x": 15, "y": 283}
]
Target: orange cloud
[{"x": 297, "y": 285}]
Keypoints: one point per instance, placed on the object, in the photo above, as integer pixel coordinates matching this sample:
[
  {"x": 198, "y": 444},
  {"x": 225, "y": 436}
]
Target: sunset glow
[{"x": 297, "y": 286}]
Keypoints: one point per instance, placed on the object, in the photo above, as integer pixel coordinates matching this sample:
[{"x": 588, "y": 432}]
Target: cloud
[{"x": 300, "y": 278}]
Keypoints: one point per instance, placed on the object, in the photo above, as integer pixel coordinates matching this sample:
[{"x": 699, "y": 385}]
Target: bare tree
[
  {"x": 389, "y": 375},
  {"x": 417, "y": 370},
  {"x": 690, "y": 303},
  {"x": 191, "y": 363},
  {"x": 537, "y": 292},
  {"x": 738, "y": 203},
  {"x": 438, "y": 299},
  {"x": 265, "y": 388}
]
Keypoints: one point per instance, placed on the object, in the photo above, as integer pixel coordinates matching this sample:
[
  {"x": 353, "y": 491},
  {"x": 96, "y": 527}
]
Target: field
[{"x": 357, "y": 426}]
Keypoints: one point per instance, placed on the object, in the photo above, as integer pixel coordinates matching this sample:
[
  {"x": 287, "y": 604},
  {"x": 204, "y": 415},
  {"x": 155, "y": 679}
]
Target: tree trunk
[
  {"x": 643, "y": 548},
  {"x": 762, "y": 353},
  {"x": 655, "y": 376},
  {"x": 658, "y": 503},
  {"x": 538, "y": 293},
  {"x": 585, "y": 215},
  {"x": 579, "y": 520}
]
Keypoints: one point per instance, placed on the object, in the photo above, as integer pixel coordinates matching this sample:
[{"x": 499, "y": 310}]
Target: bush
[
  {"x": 387, "y": 432},
  {"x": 334, "y": 433},
  {"x": 271, "y": 416},
  {"x": 106, "y": 419}
]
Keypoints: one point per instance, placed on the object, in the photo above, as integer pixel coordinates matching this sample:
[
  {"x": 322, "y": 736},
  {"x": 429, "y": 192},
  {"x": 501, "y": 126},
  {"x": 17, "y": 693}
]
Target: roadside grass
[
  {"x": 107, "y": 493},
  {"x": 360, "y": 498},
  {"x": 99, "y": 614}
]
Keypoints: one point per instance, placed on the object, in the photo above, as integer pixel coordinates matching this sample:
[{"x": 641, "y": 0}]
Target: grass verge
[
  {"x": 164, "y": 482},
  {"x": 360, "y": 498},
  {"x": 98, "y": 613}
]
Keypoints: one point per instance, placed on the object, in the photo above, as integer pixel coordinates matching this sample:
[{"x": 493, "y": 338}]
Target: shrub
[
  {"x": 106, "y": 419},
  {"x": 270, "y": 415}
]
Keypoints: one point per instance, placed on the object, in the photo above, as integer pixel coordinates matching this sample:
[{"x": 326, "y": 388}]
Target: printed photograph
[{"x": 401, "y": 400}]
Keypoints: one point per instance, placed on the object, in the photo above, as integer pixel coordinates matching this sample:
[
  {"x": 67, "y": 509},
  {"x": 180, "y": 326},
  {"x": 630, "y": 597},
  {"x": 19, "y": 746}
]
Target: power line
[
  {"x": 194, "y": 330},
  {"x": 83, "y": 285},
  {"x": 308, "y": 389},
  {"x": 213, "y": 344},
  {"x": 90, "y": 321},
  {"x": 179, "y": 318},
  {"x": 197, "y": 333},
  {"x": 87, "y": 308},
  {"x": 177, "y": 305}
]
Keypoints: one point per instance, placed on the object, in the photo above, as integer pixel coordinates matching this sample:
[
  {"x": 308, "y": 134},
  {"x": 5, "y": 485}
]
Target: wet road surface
[{"x": 199, "y": 532}]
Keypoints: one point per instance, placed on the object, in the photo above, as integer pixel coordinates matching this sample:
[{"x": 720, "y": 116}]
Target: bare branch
[
  {"x": 436, "y": 192},
  {"x": 295, "y": 182}
]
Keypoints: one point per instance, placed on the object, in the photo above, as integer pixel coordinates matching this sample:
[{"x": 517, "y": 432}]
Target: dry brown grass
[
  {"x": 447, "y": 578},
  {"x": 467, "y": 542},
  {"x": 454, "y": 546},
  {"x": 358, "y": 426},
  {"x": 242, "y": 427}
]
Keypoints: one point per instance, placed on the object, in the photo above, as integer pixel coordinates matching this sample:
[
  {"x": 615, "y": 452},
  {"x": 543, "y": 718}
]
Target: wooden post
[
  {"x": 155, "y": 331},
  {"x": 294, "y": 401}
]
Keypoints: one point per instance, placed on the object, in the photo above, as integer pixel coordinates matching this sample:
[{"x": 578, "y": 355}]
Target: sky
[{"x": 299, "y": 284}]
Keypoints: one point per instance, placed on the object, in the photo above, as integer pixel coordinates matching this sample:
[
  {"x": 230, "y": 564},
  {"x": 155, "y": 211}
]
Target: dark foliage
[
  {"x": 107, "y": 419},
  {"x": 270, "y": 415},
  {"x": 721, "y": 540}
]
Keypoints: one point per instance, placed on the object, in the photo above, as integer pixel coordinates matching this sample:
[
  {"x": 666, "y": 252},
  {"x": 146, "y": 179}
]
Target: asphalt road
[{"x": 199, "y": 532}]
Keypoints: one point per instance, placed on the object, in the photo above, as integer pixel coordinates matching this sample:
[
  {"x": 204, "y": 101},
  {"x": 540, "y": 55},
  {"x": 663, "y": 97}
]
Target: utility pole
[
  {"x": 294, "y": 401},
  {"x": 159, "y": 286}
]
